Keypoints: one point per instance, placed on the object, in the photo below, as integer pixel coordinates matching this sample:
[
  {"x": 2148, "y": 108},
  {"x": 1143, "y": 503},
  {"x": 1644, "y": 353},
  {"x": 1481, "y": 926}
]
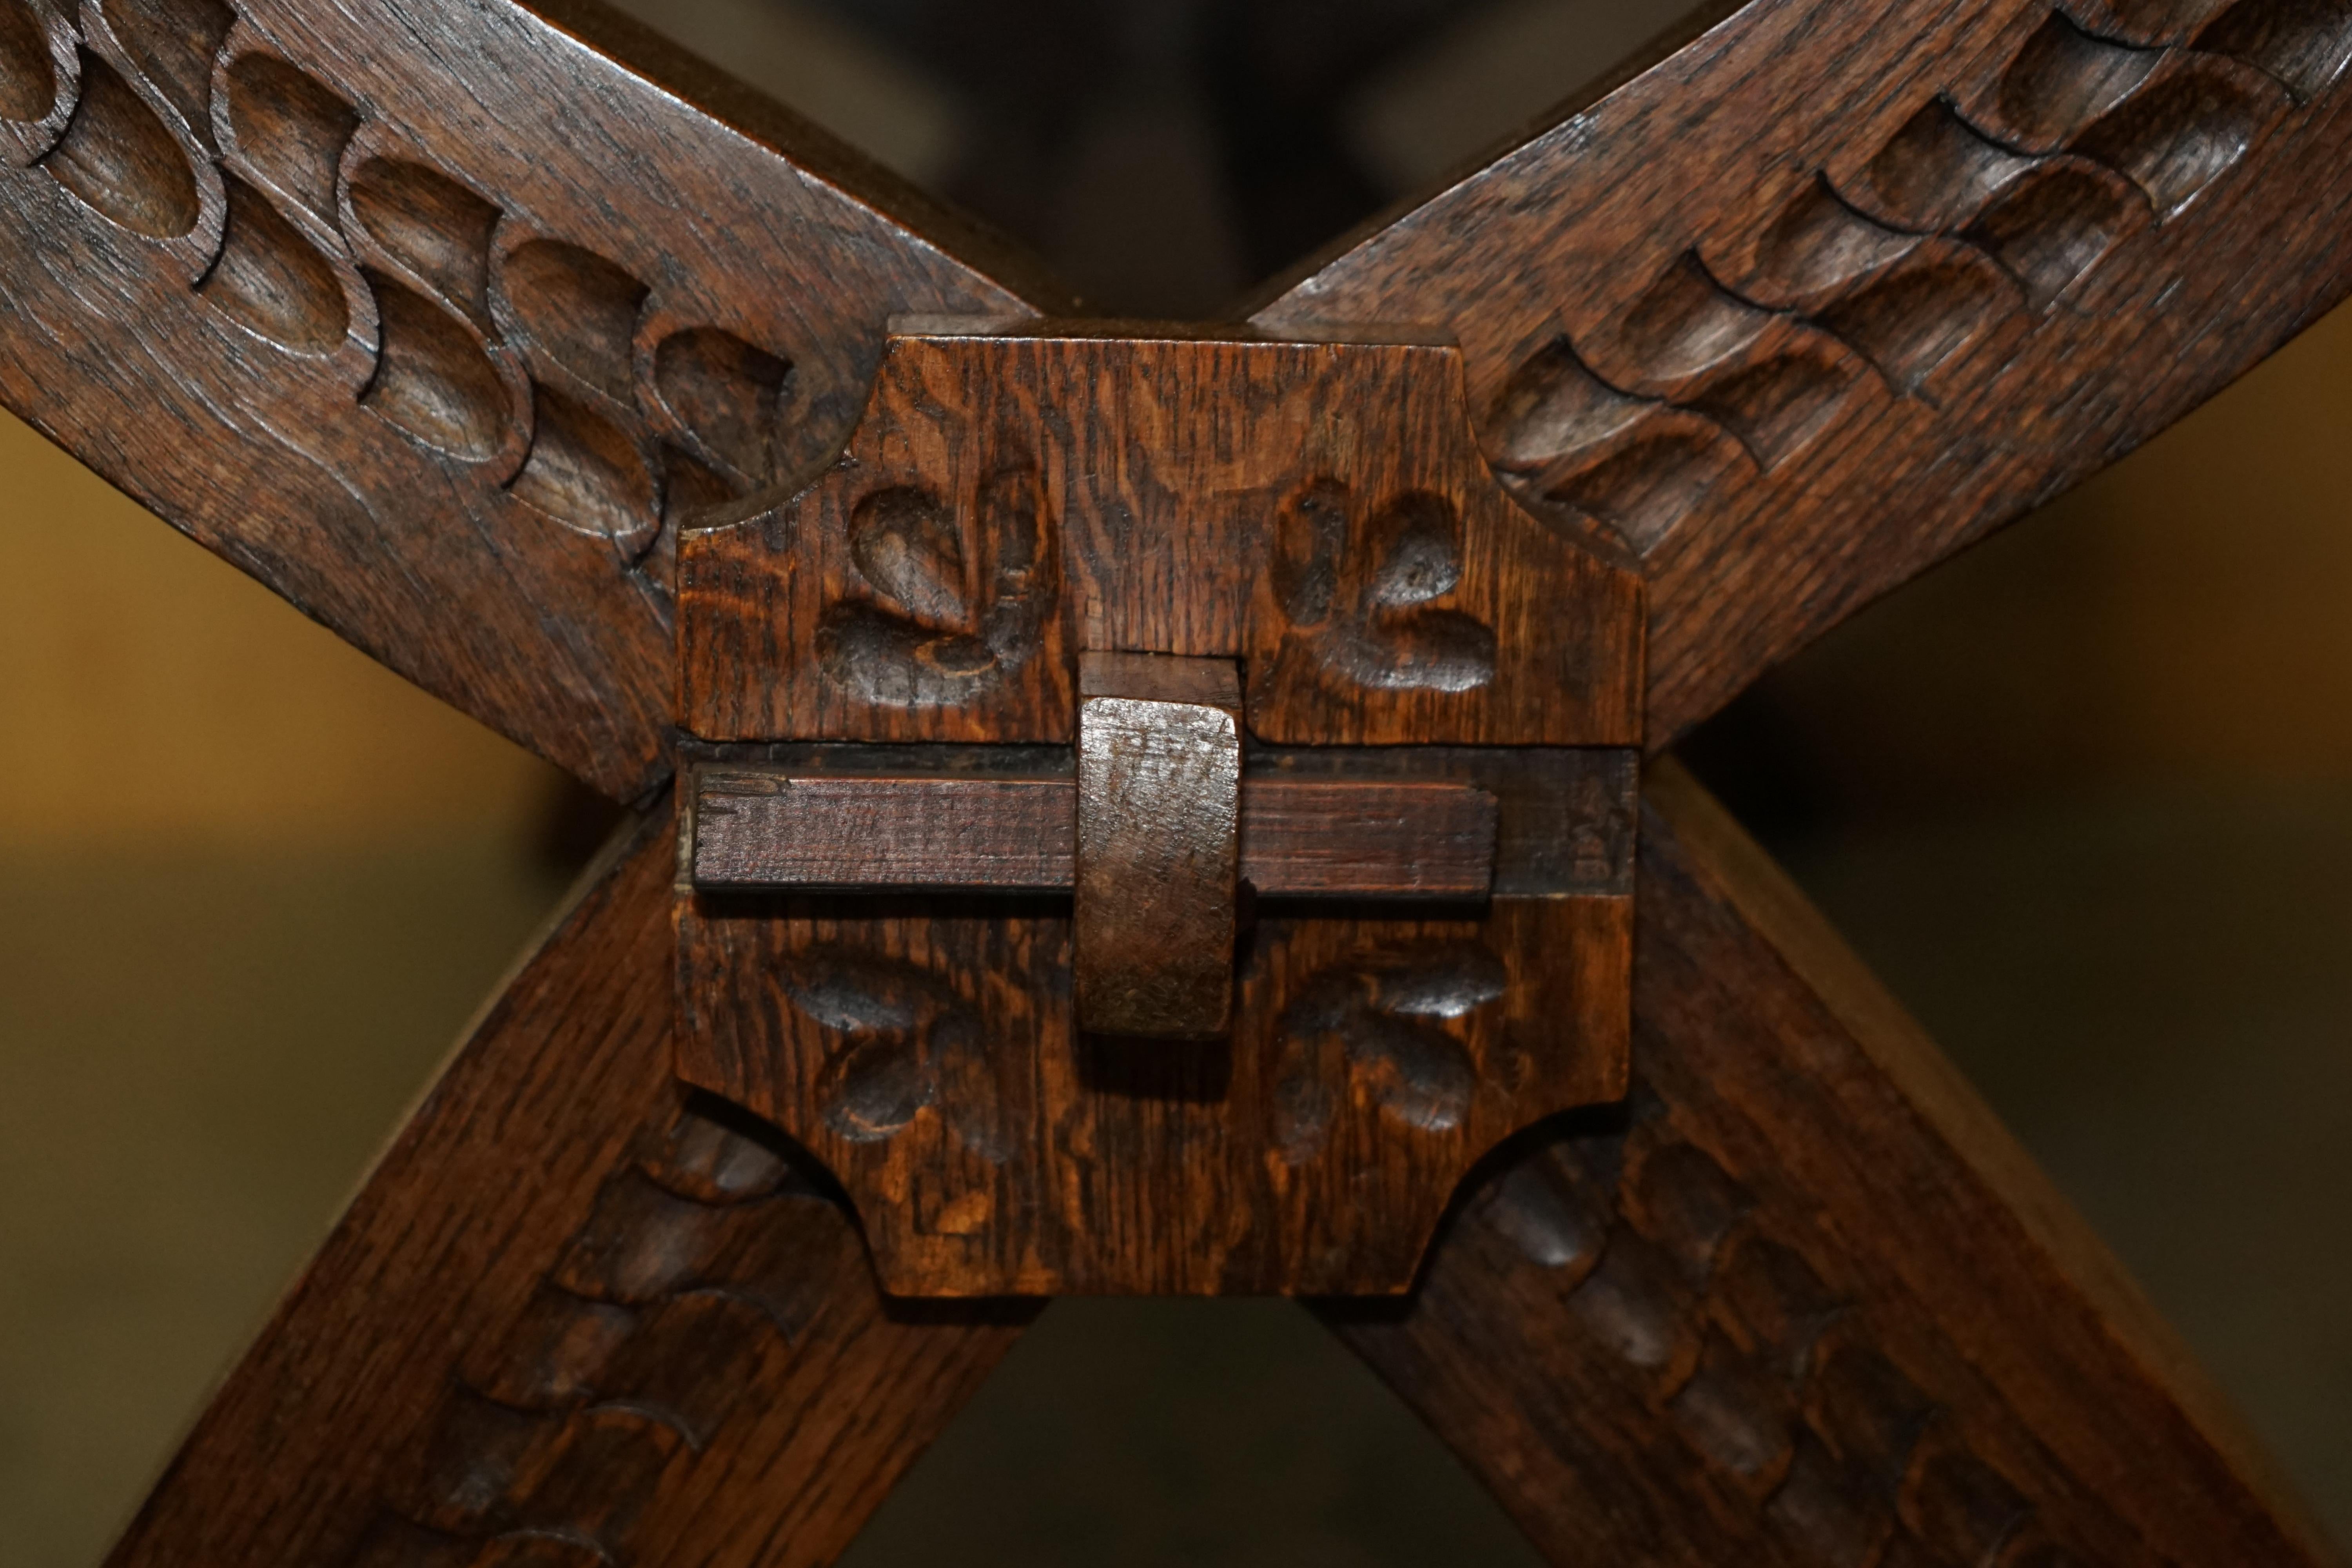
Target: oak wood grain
[
  {"x": 572, "y": 1312},
  {"x": 756, "y": 830},
  {"x": 1802, "y": 1300},
  {"x": 1017, "y": 494},
  {"x": 1839, "y": 287},
  {"x": 1159, "y": 849},
  {"x": 389, "y": 305}
]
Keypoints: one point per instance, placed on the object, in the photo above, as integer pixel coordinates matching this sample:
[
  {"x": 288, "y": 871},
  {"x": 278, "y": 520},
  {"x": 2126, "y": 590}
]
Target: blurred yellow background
[{"x": 156, "y": 695}]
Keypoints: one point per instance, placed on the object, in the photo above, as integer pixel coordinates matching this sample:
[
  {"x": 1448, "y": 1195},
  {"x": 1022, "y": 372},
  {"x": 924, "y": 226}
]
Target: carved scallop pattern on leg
[
  {"x": 726, "y": 396},
  {"x": 586, "y": 472},
  {"x": 1553, "y": 406},
  {"x": 1914, "y": 321},
  {"x": 2149, "y": 21},
  {"x": 578, "y": 308},
  {"x": 1935, "y": 171},
  {"x": 290, "y": 128},
  {"x": 2305, "y": 44},
  {"x": 1685, "y": 325},
  {"x": 173, "y": 43},
  {"x": 119, "y": 159},
  {"x": 1768, "y": 1376},
  {"x": 1777, "y": 407},
  {"x": 2182, "y": 131},
  {"x": 1654, "y": 480},
  {"x": 2065, "y": 78},
  {"x": 430, "y": 224},
  {"x": 2058, "y": 225},
  {"x": 433, "y": 378},
  {"x": 272, "y": 281},
  {"x": 28, "y": 78},
  {"x": 1819, "y": 243}
]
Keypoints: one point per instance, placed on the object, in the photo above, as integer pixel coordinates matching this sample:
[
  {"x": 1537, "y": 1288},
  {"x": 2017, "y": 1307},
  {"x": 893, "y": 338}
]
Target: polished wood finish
[
  {"x": 1159, "y": 844},
  {"x": 813, "y": 829},
  {"x": 386, "y": 303},
  {"x": 572, "y": 1311},
  {"x": 1014, "y": 495},
  {"x": 393, "y": 305},
  {"x": 1845, "y": 284},
  {"x": 1802, "y": 1300}
]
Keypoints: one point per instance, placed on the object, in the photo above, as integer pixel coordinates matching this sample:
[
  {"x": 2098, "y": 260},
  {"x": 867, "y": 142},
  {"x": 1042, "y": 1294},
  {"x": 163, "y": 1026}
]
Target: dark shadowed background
[{"x": 2084, "y": 798}]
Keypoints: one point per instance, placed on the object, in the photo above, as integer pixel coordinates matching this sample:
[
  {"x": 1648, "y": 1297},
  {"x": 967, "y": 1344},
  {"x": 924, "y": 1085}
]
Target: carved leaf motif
[
  {"x": 909, "y": 547},
  {"x": 1364, "y": 601},
  {"x": 1374, "y": 1017},
  {"x": 873, "y": 1089},
  {"x": 909, "y": 1042},
  {"x": 906, "y": 542}
]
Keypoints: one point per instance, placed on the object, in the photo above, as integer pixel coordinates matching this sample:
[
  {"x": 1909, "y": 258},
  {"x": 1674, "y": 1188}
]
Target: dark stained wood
[
  {"x": 389, "y": 304},
  {"x": 1846, "y": 283},
  {"x": 763, "y": 830},
  {"x": 927, "y": 1054},
  {"x": 1159, "y": 844},
  {"x": 1017, "y": 494},
  {"x": 1802, "y": 1300},
  {"x": 571, "y": 1305},
  {"x": 1359, "y": 838}
]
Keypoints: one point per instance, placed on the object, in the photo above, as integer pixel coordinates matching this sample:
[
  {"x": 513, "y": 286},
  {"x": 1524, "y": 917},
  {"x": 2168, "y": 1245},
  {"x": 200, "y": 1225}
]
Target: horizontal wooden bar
[{"x": 764, "y": 830}]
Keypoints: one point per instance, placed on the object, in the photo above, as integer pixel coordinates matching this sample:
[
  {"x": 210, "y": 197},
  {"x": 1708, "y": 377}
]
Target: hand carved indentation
[
  {"x": 1665, "y": 1261},
  {"x": 272, "y": 280},
  {"x": 1909, "y": 322},
  {"x": 2305, "y": 44},
  {"x": 2056, "y": 224},
  {"x": 290, "y": 128},
  {"x": 1776, "y": 407},
  {"x": 431, "y": 225},
  {"x": 2159, "y": 21},
  {"x": 1645, "y": 489},
  {"x": 1381, "y": 1021},
  {"x": 578, "y": 306},
  {"x": 2181, "y": 134},
  {"x": 118, "y": 158},
  {"x": 585, "y": 472},
  {"x": 433, "y": 378},
  {"x": 1687, "y": 322},
  {"x": 2064, "y": 79},
  {"x": 1819, "y": 243},
  {"x": 935, "y": 649},
  {"x": 726, "y": 395},
  {"x": 29, "y": 80},
  {"x": 909, "y": 1042},
  {"x": 1363, "y": 608},
  {"x": 1938, "y": 170},
  {"x": 701, "y": 1258},
  {"x": 173, "y": 43},
  {"x": 1553, "y": 406}
]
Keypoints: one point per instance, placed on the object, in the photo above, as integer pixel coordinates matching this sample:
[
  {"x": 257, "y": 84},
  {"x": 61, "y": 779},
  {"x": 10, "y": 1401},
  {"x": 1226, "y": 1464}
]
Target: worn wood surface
[
  {"x": 1159, "y": 844},
  {"x": 813, "y": 830},
  {"x": 928, "y": 1052},
  {"x": 1847, "y": 283},
  {"x": 1013, "y": 496},
  {"x": 573, "y": 1316},
  {"x": 390, "y": 304},
  {"x": 1802, "y": 1300}
]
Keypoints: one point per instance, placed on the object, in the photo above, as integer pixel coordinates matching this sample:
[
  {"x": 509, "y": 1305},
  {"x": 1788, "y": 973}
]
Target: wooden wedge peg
[
  {"x": 1067, "y": 717},
  {"x": 1159, "y": 844}
]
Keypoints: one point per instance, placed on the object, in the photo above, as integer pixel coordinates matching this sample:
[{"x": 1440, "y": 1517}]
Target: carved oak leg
[
  {"x": 572, "y": 1319},
  {"x": 1803, "y": 1301}
]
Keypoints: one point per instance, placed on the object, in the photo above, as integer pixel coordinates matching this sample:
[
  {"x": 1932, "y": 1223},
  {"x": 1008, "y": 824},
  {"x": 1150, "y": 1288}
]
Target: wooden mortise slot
[{"x": 1138, "y": 849}]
